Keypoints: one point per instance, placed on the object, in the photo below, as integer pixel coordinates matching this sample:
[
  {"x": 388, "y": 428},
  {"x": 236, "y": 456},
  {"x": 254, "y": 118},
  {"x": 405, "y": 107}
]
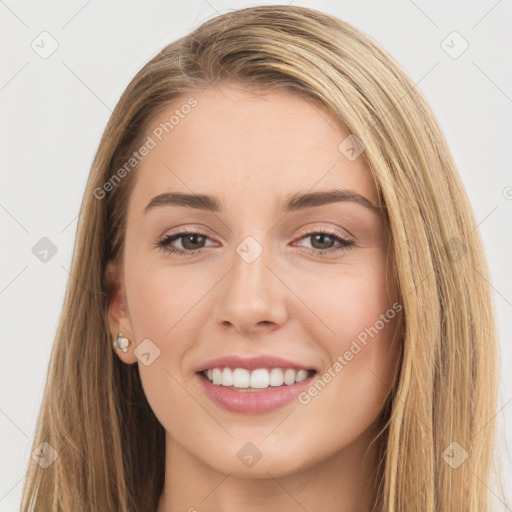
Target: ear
[{"x": 118, "y": 314}]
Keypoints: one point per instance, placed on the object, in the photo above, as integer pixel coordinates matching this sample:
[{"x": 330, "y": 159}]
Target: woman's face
[{"x": 255, "y": 281}]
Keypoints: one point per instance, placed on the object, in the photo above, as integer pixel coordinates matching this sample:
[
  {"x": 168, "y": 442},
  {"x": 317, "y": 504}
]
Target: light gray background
[{"x": 54, "y": 110}]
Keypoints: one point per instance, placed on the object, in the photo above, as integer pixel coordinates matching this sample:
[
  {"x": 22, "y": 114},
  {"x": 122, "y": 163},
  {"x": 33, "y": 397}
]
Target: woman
[{"x": 275, "y": 241}]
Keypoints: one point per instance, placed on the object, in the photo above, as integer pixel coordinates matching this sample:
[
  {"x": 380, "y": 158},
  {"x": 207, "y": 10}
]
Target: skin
[{"x": 290, "y": 302}]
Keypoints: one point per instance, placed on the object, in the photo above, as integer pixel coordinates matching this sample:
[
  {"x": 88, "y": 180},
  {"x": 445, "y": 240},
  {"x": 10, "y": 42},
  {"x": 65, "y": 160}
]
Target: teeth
[
  {"x": 301, "y": 375},
  {"x": 240, "y": 378},
  {"x": 276, "y": 377},
  {"x": 227, "y": 377},
  {"x": 261, "y": 378},
  {"x": 217, "y": 376},
  {"x": 289, "y": 377}
]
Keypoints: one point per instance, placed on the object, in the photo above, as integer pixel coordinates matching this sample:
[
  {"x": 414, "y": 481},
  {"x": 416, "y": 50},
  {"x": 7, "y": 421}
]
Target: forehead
[{"x": 247, "y": 148}]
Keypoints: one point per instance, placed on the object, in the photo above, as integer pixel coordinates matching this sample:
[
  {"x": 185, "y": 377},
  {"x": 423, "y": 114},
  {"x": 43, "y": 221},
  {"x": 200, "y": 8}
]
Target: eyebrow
[{"x": 292, "y": 202}]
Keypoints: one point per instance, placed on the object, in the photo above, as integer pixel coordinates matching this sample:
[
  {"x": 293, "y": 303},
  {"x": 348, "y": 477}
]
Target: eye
[
  {"x": 325, "y": 238},
  {"x": 191, "y": 239},
  {"x": 192, "y": 242}
]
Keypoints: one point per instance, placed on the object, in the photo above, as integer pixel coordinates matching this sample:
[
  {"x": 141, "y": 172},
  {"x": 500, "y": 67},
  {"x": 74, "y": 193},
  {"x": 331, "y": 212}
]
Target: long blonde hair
[{"x": 110, "y": 447}]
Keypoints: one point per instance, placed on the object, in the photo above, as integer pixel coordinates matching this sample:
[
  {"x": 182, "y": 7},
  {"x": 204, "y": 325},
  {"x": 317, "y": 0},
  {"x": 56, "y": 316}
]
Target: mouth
[
  {"x": 259, "y": 379},
  {"x": 261, "y": 390}
]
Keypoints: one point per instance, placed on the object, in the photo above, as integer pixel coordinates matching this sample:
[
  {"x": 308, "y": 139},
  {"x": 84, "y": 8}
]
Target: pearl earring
[{"x": 121, "y": 343}]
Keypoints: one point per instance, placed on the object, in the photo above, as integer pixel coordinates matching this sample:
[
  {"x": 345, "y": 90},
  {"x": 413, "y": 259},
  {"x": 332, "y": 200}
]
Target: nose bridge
[
  {"x": 250, "y": 274},
  {"x": 251, "y": 294}
]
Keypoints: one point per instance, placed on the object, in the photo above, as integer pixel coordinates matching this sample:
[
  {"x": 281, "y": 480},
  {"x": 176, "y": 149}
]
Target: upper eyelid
[
  {"x": 304, "y": 229},
  {"x": 182, "y": 232},
  {"x": 303, "y": 232}
]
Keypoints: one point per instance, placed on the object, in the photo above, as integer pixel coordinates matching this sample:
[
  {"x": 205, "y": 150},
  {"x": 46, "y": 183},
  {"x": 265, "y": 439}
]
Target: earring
[{"x": 121, "y": 343}]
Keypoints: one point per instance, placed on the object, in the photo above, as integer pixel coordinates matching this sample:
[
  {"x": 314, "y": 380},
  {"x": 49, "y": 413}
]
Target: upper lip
[{"x": 252, "y": 363}]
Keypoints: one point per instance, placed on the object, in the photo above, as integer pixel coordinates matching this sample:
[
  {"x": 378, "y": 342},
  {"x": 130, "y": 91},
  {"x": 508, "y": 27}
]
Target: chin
[{"x": 260, "y": 460}]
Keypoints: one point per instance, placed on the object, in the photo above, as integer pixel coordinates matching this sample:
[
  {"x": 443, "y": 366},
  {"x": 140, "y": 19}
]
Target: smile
[
  {"x": 261, "y": 378},
  {"x": 253, "y": 392}
]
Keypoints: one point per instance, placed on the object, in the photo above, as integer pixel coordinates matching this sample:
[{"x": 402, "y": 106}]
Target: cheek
[
  {"x": 348, "y": 300},
  {"x": 358, "y": 332},
  {"x": 352, "y": 390},
  {"x": 159, "y": 299},
  {"x": 161, "y": 305}
]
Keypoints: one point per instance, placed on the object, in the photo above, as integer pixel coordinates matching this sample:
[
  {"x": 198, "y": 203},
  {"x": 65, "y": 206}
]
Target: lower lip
[{"x": 253, "y": 402}]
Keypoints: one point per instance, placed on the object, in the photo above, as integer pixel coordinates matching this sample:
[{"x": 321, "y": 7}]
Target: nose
[{"x": 253, "y": 297}]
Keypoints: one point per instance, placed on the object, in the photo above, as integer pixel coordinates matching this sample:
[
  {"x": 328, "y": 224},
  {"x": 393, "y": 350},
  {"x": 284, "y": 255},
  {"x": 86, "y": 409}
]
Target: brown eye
[
  {"x": 322, "y": 242},
  {"x": 191, "y": 241}
]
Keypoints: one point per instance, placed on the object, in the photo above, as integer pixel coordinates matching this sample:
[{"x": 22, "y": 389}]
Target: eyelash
[{"x": 166, "y": 240}]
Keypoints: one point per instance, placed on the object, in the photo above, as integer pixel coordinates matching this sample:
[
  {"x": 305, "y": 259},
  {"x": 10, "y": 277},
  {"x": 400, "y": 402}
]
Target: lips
[
  {"x": 264, "y": 383},
  {"x": 252, "y": 363}
]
